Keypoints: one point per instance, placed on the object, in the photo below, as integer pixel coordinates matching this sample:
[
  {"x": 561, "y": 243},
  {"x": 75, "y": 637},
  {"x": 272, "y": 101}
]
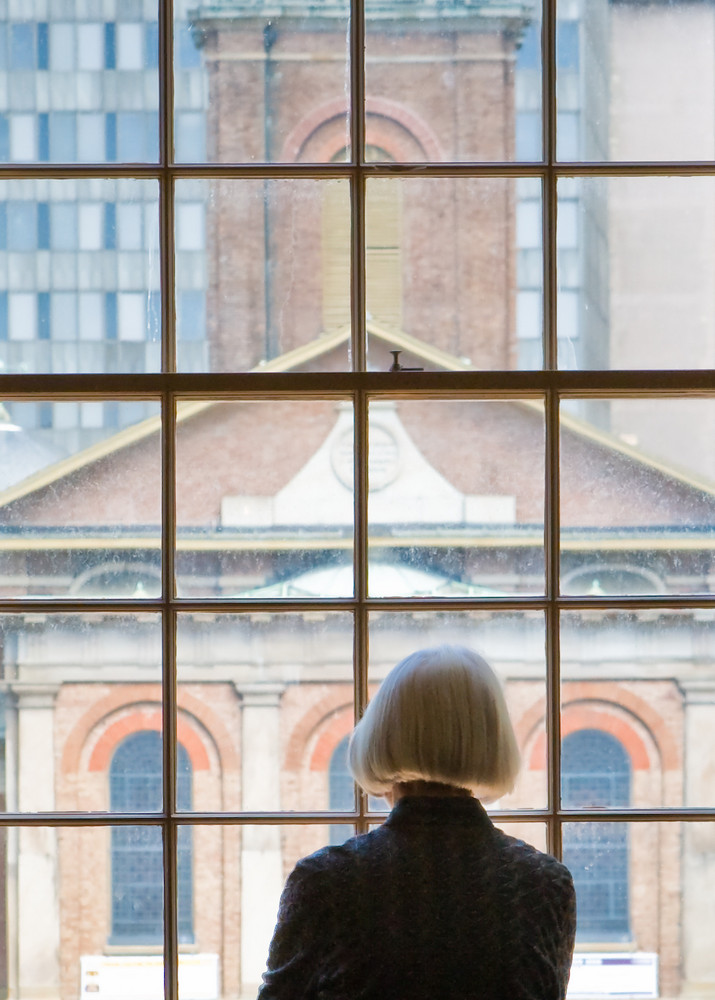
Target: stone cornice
[{"x": 384, "y": 10}]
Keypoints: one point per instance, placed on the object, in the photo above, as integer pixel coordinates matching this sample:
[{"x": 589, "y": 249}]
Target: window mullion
[
  {"x": 361, "y": 622},
  {"x": 357, "y": 191},
  {"x": 552, "y": 556}
]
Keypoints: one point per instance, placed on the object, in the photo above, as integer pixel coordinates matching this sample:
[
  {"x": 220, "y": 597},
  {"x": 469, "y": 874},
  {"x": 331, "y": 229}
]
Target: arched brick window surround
[
  {"x": 137, "y": 707},
  {"x": 641, "y": 729},
  {"x": 139, "y": 721},
  {"x": 318, "y": 732},
  {"x": 601, "y": 717},
  {"x": 380, "y": 112}
]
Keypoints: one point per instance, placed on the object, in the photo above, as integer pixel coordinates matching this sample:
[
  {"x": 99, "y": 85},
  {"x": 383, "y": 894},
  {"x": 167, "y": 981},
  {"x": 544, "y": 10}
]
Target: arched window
[
  {"x": 596, "y": 771},
  {"x": 342, "y": 791},
  {"x": 135, "y": 783},
  {"x": 383, "y": 248}
]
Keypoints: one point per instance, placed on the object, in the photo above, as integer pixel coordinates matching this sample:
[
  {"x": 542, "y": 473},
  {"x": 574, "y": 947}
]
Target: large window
[
  {"x": 137, "y": 864},
  {"x": 329, "y": 331},
  {"x": 596, "y": 773}
]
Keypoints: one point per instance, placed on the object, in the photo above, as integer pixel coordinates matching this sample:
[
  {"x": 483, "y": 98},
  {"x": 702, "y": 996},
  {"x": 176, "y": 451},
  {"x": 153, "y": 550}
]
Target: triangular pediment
[{"x": 495, "y": 485}]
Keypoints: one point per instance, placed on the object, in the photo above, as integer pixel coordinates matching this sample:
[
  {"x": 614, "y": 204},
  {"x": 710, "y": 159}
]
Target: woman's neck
[{"x": 435, "y": 788}]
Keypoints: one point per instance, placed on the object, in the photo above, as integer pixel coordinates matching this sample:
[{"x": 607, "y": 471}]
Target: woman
[{"x": 436, "y": 904}]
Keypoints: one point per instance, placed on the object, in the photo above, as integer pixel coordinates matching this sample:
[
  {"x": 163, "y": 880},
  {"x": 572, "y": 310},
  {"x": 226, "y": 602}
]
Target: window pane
[
  {"x": 102, "y": 237},
  {"x": 448, "y": 522},
  {"x": 73, "y": 76},
  {"x": 240, "y": 871},
  {"x": 56, "y": 893},
  {"x": 276, "y": 693},
  {"x": 641, "y": 83},
  {"x": 439, "y": 78},
  {"x": 54, "y": 668},
  {"x": 264, "y": 521},
  {"x": 278, "y": 296},
  {"x": 637, "y": 496},
  {"x": 271, "y": 60},
  {"x": 440, "y": 260},
  {"x": 513, "y": 643},
  {"x": 655, "y": 881},
  {"x": 637, "y": 693},
  {"x": 71, "y": 495},
  {"x": 644, "y": 296}
]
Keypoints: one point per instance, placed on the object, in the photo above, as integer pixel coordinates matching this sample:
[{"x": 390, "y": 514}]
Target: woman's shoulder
[
  {"x": 523, "y": 861},
  {"x": 334, "y": 857}
]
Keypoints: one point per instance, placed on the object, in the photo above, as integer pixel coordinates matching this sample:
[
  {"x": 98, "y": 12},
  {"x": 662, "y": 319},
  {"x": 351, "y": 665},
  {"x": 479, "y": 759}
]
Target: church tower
[{"x": 439, "y": 89}]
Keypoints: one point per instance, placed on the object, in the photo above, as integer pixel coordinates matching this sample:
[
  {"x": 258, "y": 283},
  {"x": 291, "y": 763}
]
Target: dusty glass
[
  {"x": 232, "y": 56},
  {"x": 79, "y": 276},
  {"x": 264, "y": 522},
  {"x": 277, "y": 298},
  {"x": 637, "y": 496},
  {"x": 82, "y": 83},
  {"x": 634, "y": 81},
  {"x": 453, "y": 272},
  {"x": 264, "y": 703},
  {"x": 96, "y": 678},
  {"x": 438, "y": 77},
  {"x": 78, "y": 480},
  {"x": 644, "y": 898},
  {"x": 446, "y": 515},
  {"x": 635, "y": 272},
  {"x": 62, "y": 946},
  {"x": 637, "y": 717}
]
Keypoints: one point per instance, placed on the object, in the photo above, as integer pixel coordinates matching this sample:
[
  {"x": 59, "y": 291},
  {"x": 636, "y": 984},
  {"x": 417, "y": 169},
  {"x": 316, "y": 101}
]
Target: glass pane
[
  {"x": 637, "y": 496},
  {"x": 81, "y": 83},
  {"x": 453, "y": 81},
  {"x": 80, "y": 498},
  {"x": 513, "y": 643},
  {"x": 530, "y": 833},
  {"x": 644, "y": 896},
  {"x": 264, "y": 499},
  {"x": 239, "y": 872},
  {"x": 264, "y": 703},
  {"x": 80, "y": 712},
  {"x": 638, "y": 719},
  {"x": 263, "y": 275},
  {"x": 448, "y": 521},
  {"x": 263, "y": 67},
  {"x": 454, "y": 273},
  {"x": 70, "y": 894},
  {"x": 635, "y": 272},
  {"x": 634, "y": 80},
  {"x": 79, "y": 276}
]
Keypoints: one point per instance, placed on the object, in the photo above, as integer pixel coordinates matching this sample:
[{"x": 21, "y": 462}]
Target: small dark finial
[
  {"x": 270, "y": 33},
  {"x": 397, "y": 367}
]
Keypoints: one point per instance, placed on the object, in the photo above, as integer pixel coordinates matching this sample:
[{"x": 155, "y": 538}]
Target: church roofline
[{"x": 318, "y": 347}]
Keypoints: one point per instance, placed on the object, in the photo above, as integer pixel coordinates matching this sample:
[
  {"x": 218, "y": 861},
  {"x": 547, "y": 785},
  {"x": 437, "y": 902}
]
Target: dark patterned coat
[{"x": 436, "y": 904}]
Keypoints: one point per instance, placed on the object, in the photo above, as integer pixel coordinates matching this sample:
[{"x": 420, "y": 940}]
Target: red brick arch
[
  {"x": 335, "y": 730},
  {"x": 331, "y": 718},
  {"x": 601, "y": 717},
  {"x": 140, "y": 721},
  {"x": 613, "y": 701},
  {"x": 145, "y": 699},
  {"x": 377, "y": 109}
]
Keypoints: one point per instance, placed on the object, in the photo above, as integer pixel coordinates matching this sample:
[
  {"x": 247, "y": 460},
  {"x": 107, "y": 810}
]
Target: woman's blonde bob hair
[{"x": 439, "y": 715}]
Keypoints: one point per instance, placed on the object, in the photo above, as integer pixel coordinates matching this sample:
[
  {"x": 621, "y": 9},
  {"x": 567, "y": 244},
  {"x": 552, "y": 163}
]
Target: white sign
[
  {"x": 613, "y": 974},
  {"x": 141, "y": 977}
]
